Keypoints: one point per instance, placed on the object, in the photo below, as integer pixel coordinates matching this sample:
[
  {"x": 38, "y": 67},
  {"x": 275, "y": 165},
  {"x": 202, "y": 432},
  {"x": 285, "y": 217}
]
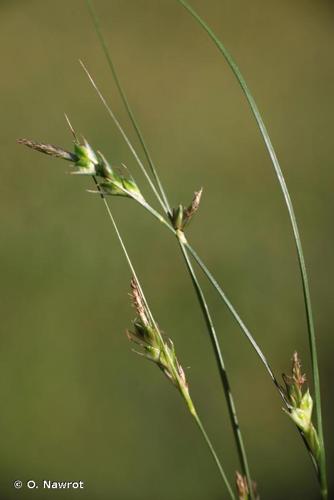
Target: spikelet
[{"x": 301, "y": 406}]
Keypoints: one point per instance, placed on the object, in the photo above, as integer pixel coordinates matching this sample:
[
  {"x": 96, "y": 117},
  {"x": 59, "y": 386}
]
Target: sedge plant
[
  {"x": 92, "y": 163},
  {"x": 320, "y": 462},
  {"x": 297, "y": 404},
  {"x": 145, "y": 332}
]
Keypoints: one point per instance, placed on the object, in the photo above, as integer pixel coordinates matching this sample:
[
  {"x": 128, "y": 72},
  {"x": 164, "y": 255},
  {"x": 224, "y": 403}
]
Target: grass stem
[
  {"x": 214, "y": 454},
  {"x": 301, "y": 260},
  {"x": 204, "y": 308},
  {"x": 222, "y": 370},
  {"x": 223, "y": 296},
  {"x": 189, "y": 402},
  {"x": 125, "y": 137},
  {"x": 127, "y": 106}
]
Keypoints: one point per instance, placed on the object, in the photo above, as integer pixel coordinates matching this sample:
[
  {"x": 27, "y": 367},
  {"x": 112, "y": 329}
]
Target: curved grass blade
[{"x": 302, "y": 266}]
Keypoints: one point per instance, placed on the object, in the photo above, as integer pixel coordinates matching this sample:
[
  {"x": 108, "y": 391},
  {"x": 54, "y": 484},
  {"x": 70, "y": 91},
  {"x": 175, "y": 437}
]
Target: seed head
[
  {"x": 294, "y": 382},
  {"x": 138, "y": 302},
  {"x": 87, "y": 161},
  {"x": 302, "y": 414},
  {"x": 190, "y": 211},
  {"x": 301, "y": 406},
  {"x": 242, "y": 487},
  {"x": 182, "y": 216},
  {"x": 148, "y": 335},
  {"x": 49, "y": 149}
]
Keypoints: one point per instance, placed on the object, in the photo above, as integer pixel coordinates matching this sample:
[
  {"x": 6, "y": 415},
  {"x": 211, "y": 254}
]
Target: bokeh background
[{"x": 76, "y": 403}]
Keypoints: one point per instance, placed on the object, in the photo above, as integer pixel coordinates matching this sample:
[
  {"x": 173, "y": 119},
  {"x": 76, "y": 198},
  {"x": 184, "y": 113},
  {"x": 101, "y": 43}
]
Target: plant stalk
[
  {"x": 214, "y": 454},
  {"x": 301, "y": 260},
  {"x": 221, "y": 366},
  {"x": 125, "y": 137},
  {"x": 161, "y": 219},
  {"x": 219, "y": 358},
  {"x": 185, "y": 395},
  {"x": 126, "y": 103},
  {"x": 223, "y": 296}
]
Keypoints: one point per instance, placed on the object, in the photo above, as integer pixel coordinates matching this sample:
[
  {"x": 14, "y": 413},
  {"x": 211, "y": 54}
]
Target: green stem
[
  {"x": 300, "y": 254},
  {"x": 185, "y": 395},
  {"x": 238, "y": 319},
  {"x": 166, "y": 223},
  {"x": 285, "y": 192},
  {"x": 214, "y": 454},
  {"x": 120, "y": 239},
  {"x": 220, "y": 291},
  {"x": 221, "y": 366},
  {"x": 125, "y": 137},
  {"x": 224, "y": 297},
  {"x": 127, "y": 106},
  {"x": 234, "y": 313}
]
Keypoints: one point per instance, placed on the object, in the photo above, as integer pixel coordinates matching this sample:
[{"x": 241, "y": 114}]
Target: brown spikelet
[
  {"x": 194, "y": 205},
  {"x": 242, "y": 487},
  {"x": 49, "y": 149},
  {"x": 138, "y": 302},
  {"x": 297, "y": 375}
]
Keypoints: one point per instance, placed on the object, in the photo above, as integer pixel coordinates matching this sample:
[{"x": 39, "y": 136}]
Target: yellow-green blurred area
[{"x": 76, "y": 402}]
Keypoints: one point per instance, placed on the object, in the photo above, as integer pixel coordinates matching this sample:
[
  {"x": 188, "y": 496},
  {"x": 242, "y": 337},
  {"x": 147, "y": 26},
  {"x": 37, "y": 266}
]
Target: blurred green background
[{"x": 76, "y": 403}]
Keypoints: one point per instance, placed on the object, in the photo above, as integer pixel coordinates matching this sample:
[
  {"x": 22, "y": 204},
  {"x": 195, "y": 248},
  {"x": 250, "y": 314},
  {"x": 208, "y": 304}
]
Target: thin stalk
[
  {"x": 221, "y": 366},
  {"x": 204, "y": 308},
  {"x": 214, "y": 454},
  {"x": 301, "y": 260},
  {"x": 223, "y": 296},
  {"x": 229, "y": 305},
  {"x": 237, "y": 318},
  {"x": 161, "y": 219},
  {"x": 207, "y": 273},
  {"x": 122, "y": 132},
  {"x": 205, "y": 311},
  {"x": 186, "y": 396},
  {"x": 127, "y": 106}
]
